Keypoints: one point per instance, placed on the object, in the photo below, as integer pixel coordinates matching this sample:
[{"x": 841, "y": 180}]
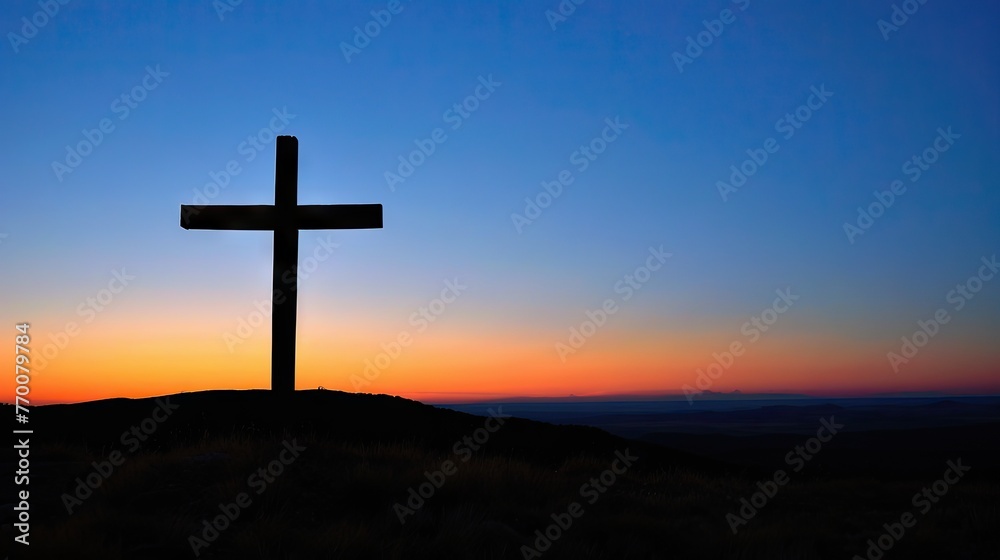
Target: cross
[{"x": 286, "y": 217}]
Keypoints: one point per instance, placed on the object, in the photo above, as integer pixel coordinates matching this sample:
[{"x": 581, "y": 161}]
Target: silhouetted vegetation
[{"x": 363, "y": 454}]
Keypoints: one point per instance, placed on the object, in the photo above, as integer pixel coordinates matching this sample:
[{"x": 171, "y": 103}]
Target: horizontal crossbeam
[{"x": 262, "y": 217}]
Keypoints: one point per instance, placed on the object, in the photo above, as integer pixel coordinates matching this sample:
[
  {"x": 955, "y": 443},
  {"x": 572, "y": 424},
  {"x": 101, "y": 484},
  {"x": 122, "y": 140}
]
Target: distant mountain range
[{"x": 642, "y": 397}]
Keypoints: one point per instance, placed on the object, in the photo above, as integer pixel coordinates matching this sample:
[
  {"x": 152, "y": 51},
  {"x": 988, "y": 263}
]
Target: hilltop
[{"x": 325, "y": 474}]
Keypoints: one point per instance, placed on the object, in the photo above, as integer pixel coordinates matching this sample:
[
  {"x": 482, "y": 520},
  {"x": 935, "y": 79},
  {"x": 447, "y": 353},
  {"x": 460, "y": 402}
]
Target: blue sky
[{"x": 656, "y": 183}]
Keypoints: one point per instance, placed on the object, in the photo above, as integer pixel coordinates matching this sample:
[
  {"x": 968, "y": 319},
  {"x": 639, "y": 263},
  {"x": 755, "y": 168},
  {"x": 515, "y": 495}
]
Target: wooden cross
[{"x": 286, "y": 217}]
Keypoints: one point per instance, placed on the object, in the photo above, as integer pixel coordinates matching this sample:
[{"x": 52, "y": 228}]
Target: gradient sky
[{"x": 656, "y": 184}]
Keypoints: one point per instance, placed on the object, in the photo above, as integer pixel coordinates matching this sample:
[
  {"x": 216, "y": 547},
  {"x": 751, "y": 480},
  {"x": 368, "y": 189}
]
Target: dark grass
[{"x": 336, "y": 499}]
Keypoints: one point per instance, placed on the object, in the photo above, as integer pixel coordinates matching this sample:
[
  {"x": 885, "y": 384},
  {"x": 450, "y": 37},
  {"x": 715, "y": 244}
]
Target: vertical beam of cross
[{"x": 286, "y": 256}]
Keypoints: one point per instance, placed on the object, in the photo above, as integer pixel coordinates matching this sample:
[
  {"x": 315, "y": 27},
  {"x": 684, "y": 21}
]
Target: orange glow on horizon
[{"x": 452, "y": 363}]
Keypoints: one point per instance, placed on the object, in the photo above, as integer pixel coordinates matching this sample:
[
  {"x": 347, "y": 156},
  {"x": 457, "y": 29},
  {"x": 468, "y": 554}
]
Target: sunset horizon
[
  {"x": 570, "y": 279},
  {"x": 712, "y": 213}
]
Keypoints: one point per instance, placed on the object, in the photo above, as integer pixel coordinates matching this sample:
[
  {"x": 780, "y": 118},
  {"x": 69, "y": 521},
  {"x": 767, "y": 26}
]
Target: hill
[{"x": 325, "y": 474}]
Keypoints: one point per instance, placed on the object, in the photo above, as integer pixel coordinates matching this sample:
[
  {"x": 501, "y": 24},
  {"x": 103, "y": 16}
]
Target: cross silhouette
[{"x": 286, "y": 217}]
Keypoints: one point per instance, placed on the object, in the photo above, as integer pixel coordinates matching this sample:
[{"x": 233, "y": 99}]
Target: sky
[{"x": 591, "y": 199}]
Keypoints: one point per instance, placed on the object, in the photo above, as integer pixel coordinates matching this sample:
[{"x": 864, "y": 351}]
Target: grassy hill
[{"x": 325, "y": 474}]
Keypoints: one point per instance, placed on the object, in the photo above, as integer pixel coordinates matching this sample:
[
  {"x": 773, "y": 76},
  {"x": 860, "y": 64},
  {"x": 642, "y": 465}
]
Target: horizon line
[{"x": 709, "y": 396}]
